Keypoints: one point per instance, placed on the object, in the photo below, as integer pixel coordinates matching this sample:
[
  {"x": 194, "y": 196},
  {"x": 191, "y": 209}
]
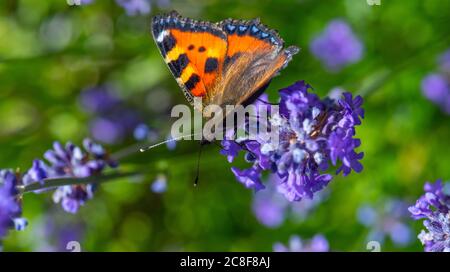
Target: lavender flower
[
  {"x": 436, "y": 85},
  {"x": 171, "y": 144},
  {"x": 271, "y": 209},
  {"x": 444, "y": 61},
  {"x": 434, "y": 207},
  {"x": 386, "y": 219},
  {"x": 10, "y": 208},
  {"x": 113, "y": 120},
  {"x": 98, "y": 100},
  {"x": 337, "y": 46},
  {"x": 317, "y": 244},
  {"x": 79, "y": 2},
  {"x": 55, "y": 231},
  {"x": 313, "y": 134},
  {"x": 159, "y": 186},
  {"x": 71, "y": 161},
  {"x": 135, "y": 7},
  {"x": 85, "y": 2},
  {"x": 230, "y": 149},
  {"x": 141, "y": 7},
  {"x": 250, "y": 178},
  {"x": 141, "y": 132}
]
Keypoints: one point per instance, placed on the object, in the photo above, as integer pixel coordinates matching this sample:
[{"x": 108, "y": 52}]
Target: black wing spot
[
  {"x": 192, "y": 81},
  {"x": 211, "y": 65},
  {"x": 179, "y": 64},
  {"x": 201, "y": 49},
  {"x": 191, "y": 47},
  {"x": 231, "y": 59},
  {"x": 168, "y": 44}
]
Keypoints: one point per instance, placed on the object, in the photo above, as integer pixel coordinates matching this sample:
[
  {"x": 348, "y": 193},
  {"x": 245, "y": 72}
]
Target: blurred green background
[{"x": 51, "y": 51}]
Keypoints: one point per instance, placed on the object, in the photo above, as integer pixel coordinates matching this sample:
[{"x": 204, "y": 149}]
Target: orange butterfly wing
[
  {"x": 194, "y": 51},
  {"x": 248, "y": 36},
  {"x": 225, "y": 63},
  {"x": 257, "y": 52}
]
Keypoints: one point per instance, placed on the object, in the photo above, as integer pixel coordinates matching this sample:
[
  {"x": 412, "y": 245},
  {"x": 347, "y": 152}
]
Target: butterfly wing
[
  {"x": 225, "y": 63},
  {"x": 254, "y": 56},
  {"x": 194, "y": 51}
]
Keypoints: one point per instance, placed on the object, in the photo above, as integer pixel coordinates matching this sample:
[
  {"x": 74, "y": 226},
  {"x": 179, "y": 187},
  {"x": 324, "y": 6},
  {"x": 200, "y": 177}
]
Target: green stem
[
  {"x": 384, "y": 76},
  {"x": 56, "y": 182},
  {"x": 128, "y": 151}
]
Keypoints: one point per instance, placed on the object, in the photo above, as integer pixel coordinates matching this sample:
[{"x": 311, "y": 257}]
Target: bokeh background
[{"x": 55, "y": 56}]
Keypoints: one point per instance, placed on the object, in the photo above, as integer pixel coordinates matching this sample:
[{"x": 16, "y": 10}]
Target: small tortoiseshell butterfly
[{"x": 225, "y": 63}]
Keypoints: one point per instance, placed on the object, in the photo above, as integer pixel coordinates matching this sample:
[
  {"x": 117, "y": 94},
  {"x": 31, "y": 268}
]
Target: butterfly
[{"x": 226, "y": 63}]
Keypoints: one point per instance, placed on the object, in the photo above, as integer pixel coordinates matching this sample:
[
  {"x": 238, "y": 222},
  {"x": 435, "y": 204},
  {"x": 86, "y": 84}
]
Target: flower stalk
[{"x": 53, "y": 183}]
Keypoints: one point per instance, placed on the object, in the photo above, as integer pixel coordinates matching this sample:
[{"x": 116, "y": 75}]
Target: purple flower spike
[
  {"x": 251, "y": 177},
  {"x": 135, "y": 7},
  {"x": 141, "y": 132},
  {"x": 436, "y": 86},
  {"x": 113, "y": 120},
  {"x": 230, "y": 149},
  {"x": 99, "y": 100},
  {"x": 317, "y": 244},
  {"x": 159, "y": 186},
  {"x": 312, "y": 133},
  {"x": 269, "y": 213},
  {"x": 271, "y": 208},
  {"x": 299, "y": 186},
  {"x": 434, "y": 207},
  {"x": 296, "y": 98},
  {"x": 387, "y": 218},
  {"x": 71, "y": 161},
  {"x": 337, "y": 46},
  {"x": 444, "y": 61},
  {"x": 10, "y": 208},
  {"x": 37, "y": 172},
  {"x": 352, "y": 108}
]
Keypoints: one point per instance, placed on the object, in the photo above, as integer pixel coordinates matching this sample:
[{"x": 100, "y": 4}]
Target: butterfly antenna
[
  {"x": 267, "y": 102},
  {"x": 165, "y": 142}
]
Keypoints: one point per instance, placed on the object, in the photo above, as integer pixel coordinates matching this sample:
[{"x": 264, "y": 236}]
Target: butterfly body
[{"x": 225, "y": 63}]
